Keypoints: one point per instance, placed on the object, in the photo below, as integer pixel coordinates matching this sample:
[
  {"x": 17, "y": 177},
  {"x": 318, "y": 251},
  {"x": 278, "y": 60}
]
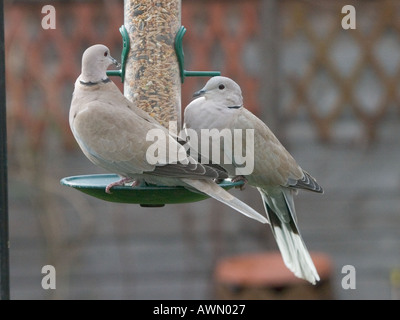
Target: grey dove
[
  {"x": 276, "y": 175},
  {"x": 112, "y": 131}
]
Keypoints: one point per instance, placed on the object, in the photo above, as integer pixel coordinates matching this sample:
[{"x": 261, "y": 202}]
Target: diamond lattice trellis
[
  {"x": 327, "y": 73},
  {"x": 356, "y": 70},
  {"x": 42, "y": 65}
]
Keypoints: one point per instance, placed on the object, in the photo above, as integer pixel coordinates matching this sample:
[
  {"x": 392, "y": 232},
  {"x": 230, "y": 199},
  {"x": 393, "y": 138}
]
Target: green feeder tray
[{"x": 145, "y": 195}]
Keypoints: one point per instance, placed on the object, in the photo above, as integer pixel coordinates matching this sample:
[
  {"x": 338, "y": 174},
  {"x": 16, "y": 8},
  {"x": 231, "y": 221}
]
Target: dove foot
[
  {"x": 135, "y": 183},
  {"x": 121, "y": 183},
  {"x": 240, "y": 178},
  {"x": 218, "y": 181}
]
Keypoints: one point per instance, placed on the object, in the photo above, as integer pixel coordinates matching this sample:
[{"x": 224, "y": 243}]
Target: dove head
[
  {"x": 222, "y": 90},
  {"x": 95, "y": 61}
]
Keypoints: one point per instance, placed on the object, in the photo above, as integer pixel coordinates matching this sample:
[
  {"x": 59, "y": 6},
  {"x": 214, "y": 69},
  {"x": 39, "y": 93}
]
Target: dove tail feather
[
  {"x": 307, "y": 183},
  {"x": 284, "y": 228},
  {"x": 215, "y": 191}
]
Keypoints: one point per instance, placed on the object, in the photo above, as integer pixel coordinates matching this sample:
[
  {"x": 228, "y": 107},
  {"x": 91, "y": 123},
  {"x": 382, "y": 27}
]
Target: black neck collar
[
  {"x": 234, "y": 107},
  {"x": 90, "y": 83}
]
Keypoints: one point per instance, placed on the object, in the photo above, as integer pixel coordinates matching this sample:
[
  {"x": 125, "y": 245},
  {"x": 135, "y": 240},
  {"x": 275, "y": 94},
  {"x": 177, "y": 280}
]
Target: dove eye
[
  {"x": 221, "y": 87},
  {"x": 106, "y": 54}
]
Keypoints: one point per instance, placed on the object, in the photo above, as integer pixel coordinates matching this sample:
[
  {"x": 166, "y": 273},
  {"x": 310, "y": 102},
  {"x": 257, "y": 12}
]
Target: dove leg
[
  {"x": 121, "y": 183},
  {"x": 136, "y": 182},
  {"x": 240, "y": 178}
]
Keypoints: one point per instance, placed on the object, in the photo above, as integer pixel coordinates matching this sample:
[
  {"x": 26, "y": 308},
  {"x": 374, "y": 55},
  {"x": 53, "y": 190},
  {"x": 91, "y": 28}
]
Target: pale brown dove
[{"x": 274, "y": 172}]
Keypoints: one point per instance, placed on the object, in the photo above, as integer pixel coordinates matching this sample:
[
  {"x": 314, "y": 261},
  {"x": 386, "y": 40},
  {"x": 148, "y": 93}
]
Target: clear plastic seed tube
[{"x": 152, "y": 79}]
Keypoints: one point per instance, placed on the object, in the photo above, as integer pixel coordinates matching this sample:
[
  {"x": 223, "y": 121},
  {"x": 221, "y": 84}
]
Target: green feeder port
[
  {"x": 178, "y": 50},
  {"x": 124, "y": 55},
  {"x": 145, "y": 195},
  {"x": 181, "y": 59}
]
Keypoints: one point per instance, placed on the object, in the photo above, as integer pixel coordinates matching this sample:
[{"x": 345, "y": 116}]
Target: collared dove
[
  {"x": 112, "y": 132},
  {"x": 275, "y": 173}
]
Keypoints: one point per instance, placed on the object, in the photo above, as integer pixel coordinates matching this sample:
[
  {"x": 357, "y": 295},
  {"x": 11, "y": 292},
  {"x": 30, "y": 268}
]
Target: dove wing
[
  {"x": 113, "y": 138},
  {"x": 273, "y": 164},
  {"x": 112, "y": 133}
]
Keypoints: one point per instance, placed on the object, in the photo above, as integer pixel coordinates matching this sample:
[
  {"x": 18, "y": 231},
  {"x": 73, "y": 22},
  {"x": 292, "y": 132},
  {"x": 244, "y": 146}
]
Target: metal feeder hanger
[{"x": 145, "y": 195}]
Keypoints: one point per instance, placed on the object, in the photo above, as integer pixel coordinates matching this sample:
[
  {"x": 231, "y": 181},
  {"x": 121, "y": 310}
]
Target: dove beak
[
  {"x": 199, "y": 93},
  {"x": 115, "y": 62}
]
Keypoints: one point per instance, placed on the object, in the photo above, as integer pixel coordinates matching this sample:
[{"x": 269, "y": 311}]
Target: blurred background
[{"x": 331, "y": 96}]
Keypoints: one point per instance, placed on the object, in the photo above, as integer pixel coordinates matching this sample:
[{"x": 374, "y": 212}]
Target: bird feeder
[{"x": 152, "y": 70}]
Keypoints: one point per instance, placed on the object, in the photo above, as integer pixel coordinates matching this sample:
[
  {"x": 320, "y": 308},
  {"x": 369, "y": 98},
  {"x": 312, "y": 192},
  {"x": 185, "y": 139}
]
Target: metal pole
[
  {"x": 152, "y": 77},
  {"x": 4, "y": 241},
  {"x": 270, "y": 64}
]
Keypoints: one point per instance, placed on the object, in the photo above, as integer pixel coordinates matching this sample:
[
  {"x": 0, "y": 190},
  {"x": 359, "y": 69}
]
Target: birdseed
[{"x": 152, "y": 79}]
